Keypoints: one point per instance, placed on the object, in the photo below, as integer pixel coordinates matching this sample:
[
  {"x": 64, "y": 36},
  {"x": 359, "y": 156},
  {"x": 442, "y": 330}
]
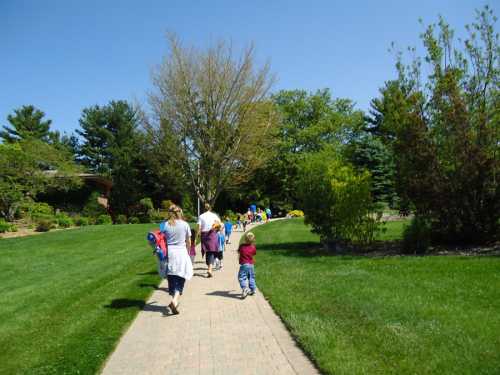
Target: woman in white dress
[{"x": 180, "y": 268}]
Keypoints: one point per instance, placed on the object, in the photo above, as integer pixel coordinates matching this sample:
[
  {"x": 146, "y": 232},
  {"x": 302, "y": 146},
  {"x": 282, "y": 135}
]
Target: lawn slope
[
  {"x": 66, "y": 297},
  {"x": 387, "y": 315}
]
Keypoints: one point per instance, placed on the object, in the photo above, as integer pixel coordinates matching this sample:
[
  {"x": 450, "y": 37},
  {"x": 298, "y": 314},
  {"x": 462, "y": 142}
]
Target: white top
[
  {"x": 206, "y": 220},
  {"x": 176, "y": 234}
]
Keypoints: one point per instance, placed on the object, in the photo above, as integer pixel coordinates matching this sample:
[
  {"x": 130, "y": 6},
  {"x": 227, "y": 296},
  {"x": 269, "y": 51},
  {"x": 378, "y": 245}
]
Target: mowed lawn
[
  {"x": 386, "y": 315},
  {"x": 66, "y": 297}
]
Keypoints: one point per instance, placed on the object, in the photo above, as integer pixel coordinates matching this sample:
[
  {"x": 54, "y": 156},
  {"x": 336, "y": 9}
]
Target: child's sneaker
[
  {"x": 252, "y": 292},
  {"x": 244, "y": 293}
]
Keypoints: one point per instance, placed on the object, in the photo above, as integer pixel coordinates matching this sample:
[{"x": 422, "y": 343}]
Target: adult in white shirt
[{"x": 209, "y": 240}]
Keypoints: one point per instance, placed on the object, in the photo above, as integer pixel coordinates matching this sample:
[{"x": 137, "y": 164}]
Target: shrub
[
  {"x": 13, "y": 228},
  {"x": 336, "y": 199},
  {"x": 134, "y": 220},
  {"x": 231, "y": 215},
  {"x": 44, "y": 225},
  {"x": 157, "y": 217},
  {"x": 37, "y": 210},
  {"x": 121, "y": 219},
  {"x": 64, "y": 221},
  {"x": 93, "y": 208},
  {"x": 417, "y": 236},
  {"x": 296, "y": 213},
  {"x": 4, "y": 226},
  {"x": 103, "y": 219},
  {"x": 81, "y": 221}
]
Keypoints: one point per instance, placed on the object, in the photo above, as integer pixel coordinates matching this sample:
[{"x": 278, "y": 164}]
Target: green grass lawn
[
  {"x": 386, "y": 315},
  {"x": 66, "y": 297}
]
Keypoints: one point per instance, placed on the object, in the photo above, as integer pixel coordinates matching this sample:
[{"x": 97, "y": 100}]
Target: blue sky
[{"x": 65, "y": 55}]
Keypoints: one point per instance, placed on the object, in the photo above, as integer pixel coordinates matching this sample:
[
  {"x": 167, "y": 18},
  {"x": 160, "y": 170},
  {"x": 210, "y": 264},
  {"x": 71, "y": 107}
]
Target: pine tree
[{"x": 26, "y": 123}]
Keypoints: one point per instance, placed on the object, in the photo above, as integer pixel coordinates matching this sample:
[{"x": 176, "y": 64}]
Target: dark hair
[{"x": 193, "y": 234}]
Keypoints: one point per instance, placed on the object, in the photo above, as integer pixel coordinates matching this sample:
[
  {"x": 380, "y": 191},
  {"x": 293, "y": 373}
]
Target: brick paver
[{"x": 215, "y": 333}]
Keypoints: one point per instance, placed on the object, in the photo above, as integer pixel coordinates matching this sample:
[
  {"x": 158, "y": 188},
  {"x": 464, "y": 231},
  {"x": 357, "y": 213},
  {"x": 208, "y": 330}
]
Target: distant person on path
[
  {"x": 228, "y": 229},
  {"x": 180, "y": 268},
  {"x": 209, "y": 242},
  {"x": 192, "y": 248},
  {"x": 246, "y": 274},
  {"x": 245, "y": 222},
  {"x": 221, "y": 239},
  {"x": 239, "y": 223},
  {"x": 268, "y": 213}
]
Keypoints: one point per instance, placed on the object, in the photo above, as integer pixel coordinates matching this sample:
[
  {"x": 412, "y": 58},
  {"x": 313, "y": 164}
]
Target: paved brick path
[{"x": 215, "y": 333}]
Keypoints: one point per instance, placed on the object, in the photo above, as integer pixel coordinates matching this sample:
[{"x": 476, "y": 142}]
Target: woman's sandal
[{"x": 173, "y": 308}]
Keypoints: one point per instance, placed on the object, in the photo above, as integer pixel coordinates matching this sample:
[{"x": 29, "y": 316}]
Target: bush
[
  {"x": 81, "y": 221},
  {"x": 157, "y": 217},
  {"x": 417, "y": 236},
  {"x": 296, "y": 213},
  {"x": 93, "y": 208},
  {"x": 37, "y": 210},
  {"x": 64, "y": 221},
  {"x": 231, "y": 215},
  {"x": 134, "y": 220},
  {"x": 121, "y": 219},
  {"x": 103, "y": 219},
  {"x": 4, "y": 226},
  {"x": 336, "y": 199},
  {"x": 44, "y": 225}
]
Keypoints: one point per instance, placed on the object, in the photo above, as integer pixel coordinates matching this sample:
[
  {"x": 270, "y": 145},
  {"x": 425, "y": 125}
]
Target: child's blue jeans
[{"x": 247, "y": 273}]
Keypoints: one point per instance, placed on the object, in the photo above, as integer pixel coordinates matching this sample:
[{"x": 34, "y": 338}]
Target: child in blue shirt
[
  {"x": 228, "y": 228},
  {"x": 220, "y": 254}
]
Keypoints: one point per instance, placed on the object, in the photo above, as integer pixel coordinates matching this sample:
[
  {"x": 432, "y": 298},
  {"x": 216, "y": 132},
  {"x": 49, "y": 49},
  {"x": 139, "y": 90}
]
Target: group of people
[{"x": 214, "y": 235}]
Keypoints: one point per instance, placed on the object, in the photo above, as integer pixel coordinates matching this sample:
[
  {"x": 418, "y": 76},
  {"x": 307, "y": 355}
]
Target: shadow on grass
[
  {"x": 224, "y": 293},
  {"x": 125, "y": 303},
  {"x": 154, "y": 286},
  {"x": 299, "y": 249}
]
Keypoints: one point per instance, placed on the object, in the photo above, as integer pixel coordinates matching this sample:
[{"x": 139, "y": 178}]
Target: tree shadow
[
  {"x": 298, "y": 249},
  {"x": 224, "y": 293},
  {"x": 200, "y": 268}
]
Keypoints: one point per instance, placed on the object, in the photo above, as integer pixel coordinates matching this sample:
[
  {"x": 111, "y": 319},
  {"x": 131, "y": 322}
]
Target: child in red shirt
[{"x": 246, "y": 274}]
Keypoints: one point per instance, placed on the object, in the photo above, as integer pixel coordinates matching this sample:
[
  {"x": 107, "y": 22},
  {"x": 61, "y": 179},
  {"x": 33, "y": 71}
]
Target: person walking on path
[
  {"x": 228, "y": 229},
  {"x": 192, "y": 249},
  {"x": 246, "y": 274},
  {"x": 180, "y": 268},
  {"x": 221, "y": 239},
  {"x": 209, "y": 241}
]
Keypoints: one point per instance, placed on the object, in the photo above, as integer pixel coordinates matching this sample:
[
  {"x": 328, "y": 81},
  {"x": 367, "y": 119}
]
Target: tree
[
  {"x": 445, "y": 134},
  {"x": 216, "y": 108},
  {"x": 112, "y": 145},
  {"x": 309, "y": 122},
  {"x": 370, "y": 153},
  {"x": 336, "y": 199},
  {"x": 29, "y": 167},
  {"x": 26, "y": 123}
]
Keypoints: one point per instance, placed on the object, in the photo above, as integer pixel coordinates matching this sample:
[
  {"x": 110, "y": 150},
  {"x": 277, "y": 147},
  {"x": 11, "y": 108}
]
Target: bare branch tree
[{"x": 216, "y": 107}]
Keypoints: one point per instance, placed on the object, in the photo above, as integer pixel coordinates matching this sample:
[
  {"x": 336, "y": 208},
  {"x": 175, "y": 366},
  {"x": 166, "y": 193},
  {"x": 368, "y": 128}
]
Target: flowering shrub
[{"x": 295, "y": 213}]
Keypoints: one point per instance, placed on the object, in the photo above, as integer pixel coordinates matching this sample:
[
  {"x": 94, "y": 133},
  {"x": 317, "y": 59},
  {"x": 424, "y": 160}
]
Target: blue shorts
[{"x": 175, "y": 284}]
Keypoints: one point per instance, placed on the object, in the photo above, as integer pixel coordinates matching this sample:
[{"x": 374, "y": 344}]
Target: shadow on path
[
  {"x": 125, "y": 303},
  {"x": 224, "y": 293}
]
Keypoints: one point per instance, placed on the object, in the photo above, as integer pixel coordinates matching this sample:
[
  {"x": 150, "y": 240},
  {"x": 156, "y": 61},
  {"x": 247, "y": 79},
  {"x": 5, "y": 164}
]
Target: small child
[
  {"x": 220, "y": 254},
  {"x": 192, "y": 249},
  {"x": 246, "y": 274},
  {"x": 239, "y": 225},
  {"x": 228, "y": 228}
]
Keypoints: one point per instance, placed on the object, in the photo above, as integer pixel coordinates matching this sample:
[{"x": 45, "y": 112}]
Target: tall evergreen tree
[
  {"x": 112, "y": 146},
  {"x": 26, "y": 123}
]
